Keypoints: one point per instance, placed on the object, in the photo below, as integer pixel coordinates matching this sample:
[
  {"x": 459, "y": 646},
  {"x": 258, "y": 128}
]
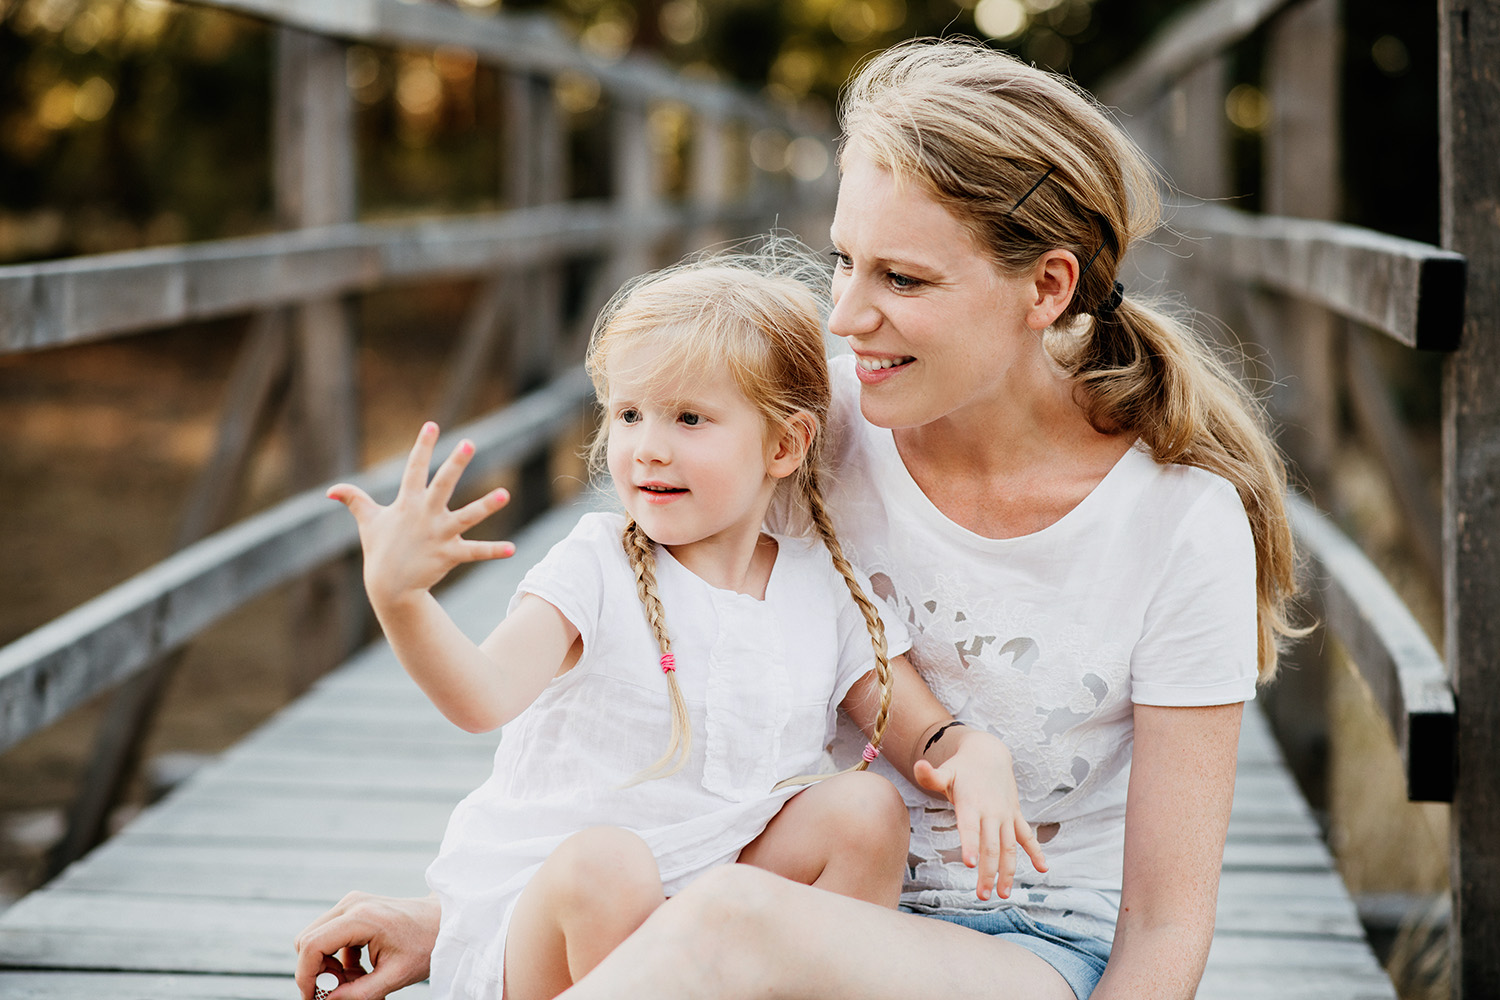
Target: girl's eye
[
  {"x": 691, "y": 419},
  {"x": 629, "y": 416}
]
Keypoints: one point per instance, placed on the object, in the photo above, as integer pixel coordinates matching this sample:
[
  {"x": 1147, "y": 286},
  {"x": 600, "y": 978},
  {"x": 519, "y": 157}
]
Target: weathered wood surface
[
  {"x": 1397, "y": 660},
  {"x": 350, "y": 787},
  {"x": 54, "y": 668},
  {"x": 1469, "y": 130},
  {"x": 86, "y": 298}
]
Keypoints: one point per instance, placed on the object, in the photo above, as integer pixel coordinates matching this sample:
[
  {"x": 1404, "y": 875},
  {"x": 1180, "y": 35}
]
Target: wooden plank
[
  {"x": 1394, "y": 655},
  {"x": 1469, "y": 130},
  {"x": 107, "y": 639},
  {"x": 155, "y": 986},
  {"x": 1407, "y": 290},
  {"x": 86, "y": 298},
  {"x": 1197, "y": 33},
  {"x": 532, "y": 43}
]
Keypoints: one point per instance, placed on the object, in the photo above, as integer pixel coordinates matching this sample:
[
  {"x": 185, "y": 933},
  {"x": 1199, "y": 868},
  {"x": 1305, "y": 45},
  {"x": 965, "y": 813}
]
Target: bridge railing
[
  {"x": 299, "y": 355},
  {"x": 1313, "y": 294}
]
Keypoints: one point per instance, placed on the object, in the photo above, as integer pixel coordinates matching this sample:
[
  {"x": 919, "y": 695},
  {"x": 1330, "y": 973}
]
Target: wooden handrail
[
  {"x": 1392, "y": 652},
  {"x": 56, "y": 667},
  {"x": 1412, "y": 292},
  {"x": 86, "y": 298},
  {"x": 522, "y": 42}
]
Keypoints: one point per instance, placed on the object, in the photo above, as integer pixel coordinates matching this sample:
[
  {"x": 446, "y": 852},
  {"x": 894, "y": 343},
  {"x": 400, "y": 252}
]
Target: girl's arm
[
  {"x": 971, "y": 769},
  {"x": 1172, "y": 853},
  {"x": 411, "y": 545}
]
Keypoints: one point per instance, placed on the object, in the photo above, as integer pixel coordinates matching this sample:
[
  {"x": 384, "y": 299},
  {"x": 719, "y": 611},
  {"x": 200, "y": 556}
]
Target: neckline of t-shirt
[
  {"x": 772, "y": 580},
  {"x": 903, "y": 480}
]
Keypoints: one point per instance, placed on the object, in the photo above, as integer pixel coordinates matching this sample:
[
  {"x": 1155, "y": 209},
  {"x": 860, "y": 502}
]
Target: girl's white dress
[{"x": 762, "y": 680}]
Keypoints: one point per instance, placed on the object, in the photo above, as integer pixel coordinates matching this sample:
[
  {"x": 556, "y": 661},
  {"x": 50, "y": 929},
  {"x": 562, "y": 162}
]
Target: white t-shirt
[
  {"x": 1142, "y": 594},
  {"x": 762, "y": 680}
]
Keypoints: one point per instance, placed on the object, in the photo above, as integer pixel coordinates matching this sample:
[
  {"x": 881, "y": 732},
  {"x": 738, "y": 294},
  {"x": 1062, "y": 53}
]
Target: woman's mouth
[{"x": 874, "y": 364}]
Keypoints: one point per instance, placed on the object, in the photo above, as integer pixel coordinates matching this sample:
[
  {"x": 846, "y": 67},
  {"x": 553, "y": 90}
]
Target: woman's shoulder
[{"x": 1179, "y": 490}]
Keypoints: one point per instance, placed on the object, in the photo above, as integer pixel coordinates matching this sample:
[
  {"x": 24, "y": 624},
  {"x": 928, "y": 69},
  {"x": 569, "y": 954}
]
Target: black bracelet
[{"x": 934, "y": 737}]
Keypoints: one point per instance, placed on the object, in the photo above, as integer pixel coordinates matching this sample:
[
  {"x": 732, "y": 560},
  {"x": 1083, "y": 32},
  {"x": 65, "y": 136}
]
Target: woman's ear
[
  {"x": 1054, "y": 280},
  {"x": 788, "y": 449}
]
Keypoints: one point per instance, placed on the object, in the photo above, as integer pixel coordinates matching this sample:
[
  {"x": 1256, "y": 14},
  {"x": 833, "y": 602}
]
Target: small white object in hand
[{"x": 325, "y": 984}]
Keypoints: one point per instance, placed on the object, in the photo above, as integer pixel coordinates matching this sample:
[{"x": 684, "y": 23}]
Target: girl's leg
[
  {"x": 594, "y": 890},
  {"x": 847, "y": 834},
  {"x": 738, "y": 933}
]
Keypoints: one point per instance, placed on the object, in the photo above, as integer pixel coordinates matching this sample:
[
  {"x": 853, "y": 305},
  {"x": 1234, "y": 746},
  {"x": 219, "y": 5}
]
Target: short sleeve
[
  {"x": 1199, "y": 641},
  {"x": 856, "y": 652},
  {"x": 571, "y": 575}
]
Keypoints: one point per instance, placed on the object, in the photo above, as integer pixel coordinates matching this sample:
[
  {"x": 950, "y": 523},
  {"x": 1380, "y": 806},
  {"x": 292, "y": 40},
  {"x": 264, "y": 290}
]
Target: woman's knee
[{"x": 727, "y": 905}]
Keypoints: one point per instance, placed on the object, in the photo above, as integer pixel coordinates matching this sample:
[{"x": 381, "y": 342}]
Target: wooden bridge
[{"x": 350, "y": 785}]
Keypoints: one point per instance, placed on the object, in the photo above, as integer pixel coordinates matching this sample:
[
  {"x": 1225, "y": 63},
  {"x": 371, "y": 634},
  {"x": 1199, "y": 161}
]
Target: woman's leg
[
  {"x": 847, "y": 834},
  {"x": 594, "y": 890},
  {"x": 738, "y": 932}
]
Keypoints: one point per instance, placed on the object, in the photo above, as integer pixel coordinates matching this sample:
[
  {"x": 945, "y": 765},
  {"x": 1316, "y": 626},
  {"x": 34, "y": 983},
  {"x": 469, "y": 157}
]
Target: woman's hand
[
  {"x": 416, "y": 541},
  {"x": 398, "y": 933},
  {"x": 979, "y": 779}
]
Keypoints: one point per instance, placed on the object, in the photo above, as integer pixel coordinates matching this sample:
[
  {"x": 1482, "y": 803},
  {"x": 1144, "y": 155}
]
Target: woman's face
[{"x": 936, "y": 328}]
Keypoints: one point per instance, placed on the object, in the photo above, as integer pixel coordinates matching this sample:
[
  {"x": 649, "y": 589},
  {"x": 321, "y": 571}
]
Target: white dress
[
  {"x": 762, "y": 680},
  {"x": 1142, "y": 594}
]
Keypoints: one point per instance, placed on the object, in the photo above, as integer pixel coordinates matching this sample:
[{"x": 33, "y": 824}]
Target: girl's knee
[
  {"x": 602, "y": 866},
  {"x": 726, "y": 904},
  {"x": 868, "y": 809}
]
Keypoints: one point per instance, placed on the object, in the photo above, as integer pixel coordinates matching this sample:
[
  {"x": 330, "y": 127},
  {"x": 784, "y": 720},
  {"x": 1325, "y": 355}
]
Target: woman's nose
[{"x": 852, "y": 314}]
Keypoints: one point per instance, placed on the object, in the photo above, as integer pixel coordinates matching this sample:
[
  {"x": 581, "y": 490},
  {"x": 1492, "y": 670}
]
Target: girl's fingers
[
  {"x": 414, "y": 476},
  {"x": 480, "y": 551},
  {"x": 1026, "y": 837},
  {"x": 472, "y": 513},
  {"x": 989, "y": 858},
  {"x": 356, "y": 499},
  {"x": 1007, "y": 859},
  {"x": 445, "y": 480}
]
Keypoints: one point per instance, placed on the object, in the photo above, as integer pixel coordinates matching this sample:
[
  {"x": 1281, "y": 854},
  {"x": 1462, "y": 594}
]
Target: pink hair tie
[
  {"x": 668, "y": 663},
  {"x": 871, "y": 752}
]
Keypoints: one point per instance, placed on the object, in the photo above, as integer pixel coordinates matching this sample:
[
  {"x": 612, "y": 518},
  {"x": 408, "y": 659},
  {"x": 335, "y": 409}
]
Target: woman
[{"x": 1077, "y": 512}]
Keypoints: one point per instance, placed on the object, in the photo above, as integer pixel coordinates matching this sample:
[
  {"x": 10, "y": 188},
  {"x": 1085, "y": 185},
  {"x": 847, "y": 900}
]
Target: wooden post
[
  {"x": 634, "y": 185},
  {"x": 1469, "y": 129},
  {"x": 315, "y": 186},
  {"x": 711, "y": 175}
]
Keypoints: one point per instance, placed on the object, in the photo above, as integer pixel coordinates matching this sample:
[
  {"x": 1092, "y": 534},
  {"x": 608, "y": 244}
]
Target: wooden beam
[
  {"x": 87, "y": 298},
  {"x": 1469, "y": 130},
  {"x": 48, "y": 671},
  {"x": 1410, "y": 291},
  {"x": 1395, "y": 657},
  {"x": 1199, "y": 33},
  {"x": 526, "y": 42}
]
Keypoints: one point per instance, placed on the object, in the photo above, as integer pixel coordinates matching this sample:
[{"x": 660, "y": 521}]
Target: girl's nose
[
  {"x": 651, "y": 444},
  {"x": 853, "y": 313}
]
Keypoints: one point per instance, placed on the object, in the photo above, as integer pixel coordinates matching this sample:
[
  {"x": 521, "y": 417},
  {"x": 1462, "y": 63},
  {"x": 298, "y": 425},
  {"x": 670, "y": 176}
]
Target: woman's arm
[
  {"x": 397, "y": 934},
  {"x": 1176, "y": 819},
  {"x": 971, "y": 769}
]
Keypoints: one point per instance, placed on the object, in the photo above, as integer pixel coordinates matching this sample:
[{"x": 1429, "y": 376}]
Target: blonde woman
[{"x": 1077, "y": 513}]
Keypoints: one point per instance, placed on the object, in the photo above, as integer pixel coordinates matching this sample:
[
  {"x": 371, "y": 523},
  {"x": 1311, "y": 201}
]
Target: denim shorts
[{"x": 1078, "y": 958}]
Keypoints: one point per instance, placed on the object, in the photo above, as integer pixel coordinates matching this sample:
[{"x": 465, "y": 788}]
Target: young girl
[{"x": 678, "y": 626}]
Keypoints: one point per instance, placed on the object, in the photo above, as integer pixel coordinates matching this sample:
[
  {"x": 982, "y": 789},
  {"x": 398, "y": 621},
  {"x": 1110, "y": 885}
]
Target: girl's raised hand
[
  {"x": 980, "y": 780},
  {"x": 416, "y": 541}
]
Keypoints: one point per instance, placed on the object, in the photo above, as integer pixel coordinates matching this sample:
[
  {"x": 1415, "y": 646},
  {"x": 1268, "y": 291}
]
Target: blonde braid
[
  {"x": 638, "y": 548},
  {"x": 823, "y": 524}
]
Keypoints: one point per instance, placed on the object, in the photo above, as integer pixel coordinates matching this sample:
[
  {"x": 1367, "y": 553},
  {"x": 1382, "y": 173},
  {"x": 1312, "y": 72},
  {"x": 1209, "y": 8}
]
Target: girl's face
[
  {"x": 690, "y": 456},
  {"x": 935, "y": 327}
]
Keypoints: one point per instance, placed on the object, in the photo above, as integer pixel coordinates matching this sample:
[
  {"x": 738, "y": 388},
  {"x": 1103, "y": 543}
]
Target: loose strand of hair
[
  {"x": 638, "y": 548},
  {"x": 823, "y": 524}
]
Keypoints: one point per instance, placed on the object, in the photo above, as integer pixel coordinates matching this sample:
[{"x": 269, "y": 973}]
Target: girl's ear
[
  {"x": 790, "y": 447},
  {"x": 1054, "y": 280}
]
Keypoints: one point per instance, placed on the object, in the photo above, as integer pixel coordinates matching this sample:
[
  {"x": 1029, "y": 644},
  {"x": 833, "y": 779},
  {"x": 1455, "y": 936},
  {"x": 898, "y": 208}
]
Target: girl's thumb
[
  {"x": 932, "y": 779},
  {"x": 351, "y": 496}
]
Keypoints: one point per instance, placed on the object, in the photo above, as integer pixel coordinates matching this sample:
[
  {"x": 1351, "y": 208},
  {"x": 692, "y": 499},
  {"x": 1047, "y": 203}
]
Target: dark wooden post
[
  {"x": 1301, "y": 179},
  {"x": 1469, "y": 117},
  {"x": 315, "y": 186}
]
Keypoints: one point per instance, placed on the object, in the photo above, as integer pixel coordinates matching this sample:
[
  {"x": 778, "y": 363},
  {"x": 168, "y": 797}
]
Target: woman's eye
[
  {"x": 841, "y": 260},
  {"x": 902, "y": 281},
  {"x": 691, "y": 419}
]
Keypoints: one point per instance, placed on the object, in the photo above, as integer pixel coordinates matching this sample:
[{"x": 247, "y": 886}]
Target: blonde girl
[{"x": 667, "y": 675}]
